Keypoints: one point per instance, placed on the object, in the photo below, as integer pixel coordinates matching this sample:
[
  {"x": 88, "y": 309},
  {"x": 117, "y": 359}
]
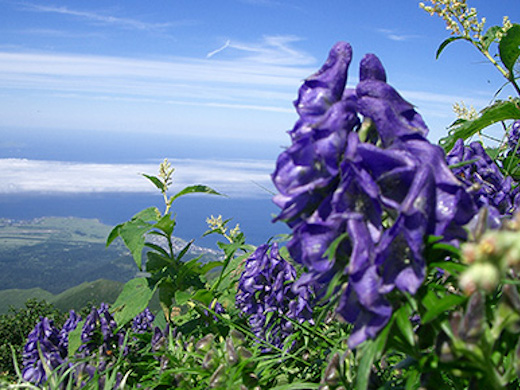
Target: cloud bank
[{"x": 237, "y": 178}]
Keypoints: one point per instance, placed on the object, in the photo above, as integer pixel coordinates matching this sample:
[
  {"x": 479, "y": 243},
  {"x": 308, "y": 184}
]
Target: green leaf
[
  {"x": 133, "y": 234},
  {"x": 209, "y": 266},
  {"x": 157, "y": 248},
  {"x": 156, "y": 181},
  {"x": 166, "y": 224},
  {"x": 371, "y": 350},
  {"x": 445, "y": 43},
  {"x": 75, "y": 339},
  {"x": 435, "y": 306},
  {"x": 181, "y": 297},
  {"x": 402, "y": 319},
  {"x": 490, "y": 36},
  {"x": 148, "y": 214},
  {"x": 184, "y": 250},
  {"x": 450, "y": 266},
  {"x": 156, "y": 262},
  {"x": 114, "y": 233},
  {"x": 196, "y": 189},
  {"x": 166, "y": 292},
  {"x": 500, "y": 111},
  {"x": 134, "y": 298},
  {"x": 204, "y": 296},
  {"x": 509, "y": 48}
]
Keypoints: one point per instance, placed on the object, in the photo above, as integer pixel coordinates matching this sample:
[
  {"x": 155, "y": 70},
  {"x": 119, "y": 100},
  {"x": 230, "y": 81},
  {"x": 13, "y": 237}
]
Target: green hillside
[
  {"x": 94, "y": 293},
  {"x": 17, "y": 297},
  {"x": 76, "y": 298}
]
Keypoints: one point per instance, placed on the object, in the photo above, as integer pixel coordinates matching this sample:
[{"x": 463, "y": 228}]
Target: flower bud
[
  {"x": 218, "y": 378},
  {"x": 204, "y": 344},
  {"x": 472, "y": 325},
  {"x": 209, "y": 361},
  {"x": 331, "y": 375},
  {"x": 237, "y": 336},
  {"x": 231, "y": 356},
  {"x": 479, "y": 275}
]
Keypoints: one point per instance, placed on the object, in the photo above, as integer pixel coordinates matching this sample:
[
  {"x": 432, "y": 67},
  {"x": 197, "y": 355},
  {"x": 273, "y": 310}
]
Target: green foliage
[
  {"x": 16, "y": 325},
  {"x": 496, "y": 113},
  {"x": 168, "y": 271}
]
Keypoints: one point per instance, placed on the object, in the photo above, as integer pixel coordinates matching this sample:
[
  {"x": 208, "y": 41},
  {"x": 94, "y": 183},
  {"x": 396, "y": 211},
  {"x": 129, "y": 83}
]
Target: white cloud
[
  {"x": 178, "y": 78},
  {"x": 396, "y": 36},
  {"x": 97, "y": 17},
  {"x": 237, "y": 178},
  {"x": 272, "y": 49}
]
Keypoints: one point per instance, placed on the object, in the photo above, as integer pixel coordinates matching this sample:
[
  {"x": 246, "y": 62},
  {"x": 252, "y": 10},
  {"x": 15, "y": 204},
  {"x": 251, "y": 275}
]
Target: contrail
[{"x": 209, "y": 55}]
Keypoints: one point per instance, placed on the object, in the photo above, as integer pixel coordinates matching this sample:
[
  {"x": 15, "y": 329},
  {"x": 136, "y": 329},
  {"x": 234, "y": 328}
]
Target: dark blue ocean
[{"x": 253, "y": 215}]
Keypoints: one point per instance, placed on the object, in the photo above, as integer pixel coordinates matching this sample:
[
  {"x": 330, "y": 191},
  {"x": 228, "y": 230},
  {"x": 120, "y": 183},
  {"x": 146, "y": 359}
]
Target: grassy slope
[{"x": 74, "y": 298}]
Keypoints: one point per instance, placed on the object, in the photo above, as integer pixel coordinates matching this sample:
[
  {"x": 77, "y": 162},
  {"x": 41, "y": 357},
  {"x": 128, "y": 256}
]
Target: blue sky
[{"x": 213, "y": 79}]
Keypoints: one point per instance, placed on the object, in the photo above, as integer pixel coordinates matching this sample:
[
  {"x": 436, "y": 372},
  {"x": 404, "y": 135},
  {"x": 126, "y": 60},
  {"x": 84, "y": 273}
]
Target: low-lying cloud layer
[{"x": 239, "y": 179}]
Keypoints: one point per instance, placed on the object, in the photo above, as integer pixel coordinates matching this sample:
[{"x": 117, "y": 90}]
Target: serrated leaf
[
  {"x": 195, "y": 189},
  {"x": 500, "y": 111},
  {"x": 509, "y": 48},
  {"x": 156, "y": 181},
  {"x": 445, "y": 43},
  {"x": 134, "y": 298}
]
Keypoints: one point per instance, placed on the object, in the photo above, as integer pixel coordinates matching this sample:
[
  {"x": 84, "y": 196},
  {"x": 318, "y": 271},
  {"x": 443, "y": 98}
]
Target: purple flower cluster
[
  {"x": 99, "y": 337},
  {"x": 143, "y": 322},
  {"x": 267, "y": 297},
  {"x": 360, "y": 168},
  {"x": 51, "y": 343},
  {"x": 100, "y": 333},
  {"x": 513, "y": 138},
  {"x": 484, "y": 180}
]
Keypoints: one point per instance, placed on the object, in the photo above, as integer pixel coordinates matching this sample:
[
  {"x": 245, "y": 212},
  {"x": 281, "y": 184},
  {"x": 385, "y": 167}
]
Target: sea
[{"x": 253, "y": 214}]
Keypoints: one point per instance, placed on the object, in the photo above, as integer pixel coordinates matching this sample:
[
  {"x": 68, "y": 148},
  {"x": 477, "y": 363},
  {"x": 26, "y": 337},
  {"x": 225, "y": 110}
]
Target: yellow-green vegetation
[{"x": 71, "y": 230}]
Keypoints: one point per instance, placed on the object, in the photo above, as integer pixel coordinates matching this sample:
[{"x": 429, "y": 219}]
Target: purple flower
[
  {"x": 265, "y": 290},
  {"x": 45, "y": 338},
  {"x": 483, "y": 180},
  {"x": 513, "y": 138},
  {"x": 216, "y": 307},
  {"x": 360, "y": 168},
  {"x": 143, "y": 322},
  {"x": 325, "y": 87}
]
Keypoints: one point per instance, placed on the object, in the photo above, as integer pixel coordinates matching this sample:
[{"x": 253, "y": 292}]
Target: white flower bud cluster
[
  {"x": 464, "y": 112},
  {"x": 491, "y": 258}
]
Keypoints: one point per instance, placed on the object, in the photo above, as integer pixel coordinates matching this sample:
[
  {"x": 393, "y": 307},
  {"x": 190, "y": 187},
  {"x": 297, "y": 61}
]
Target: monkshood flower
[
  {"x": 216, "y": 307},
  {"x": 44, "y": 338},
  {"x": 484, "y": 180},
  {"x": 143, "y": 322},
  {"x": 360, "y": 168},
  {"x": 99, "y": 333},
  {"x": 265, "y": 291},
  {"x": 513, "y": 138},
  {"x": 52, "y": 343}
]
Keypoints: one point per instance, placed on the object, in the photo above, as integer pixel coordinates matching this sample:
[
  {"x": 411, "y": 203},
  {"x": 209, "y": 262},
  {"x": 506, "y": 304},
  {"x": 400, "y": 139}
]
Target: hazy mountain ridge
[{"x": 56, "y": 254}]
